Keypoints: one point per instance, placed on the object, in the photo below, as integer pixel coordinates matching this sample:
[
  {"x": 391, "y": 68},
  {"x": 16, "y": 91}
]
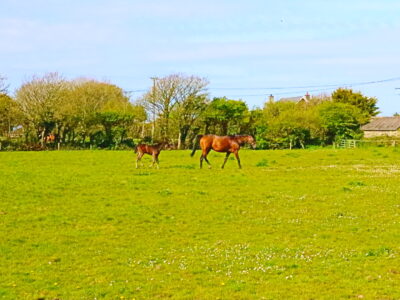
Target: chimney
[{"x": 271, "y": 98}]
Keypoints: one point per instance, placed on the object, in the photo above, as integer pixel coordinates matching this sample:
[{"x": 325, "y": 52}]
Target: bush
[{"x": 16, "y": 144}]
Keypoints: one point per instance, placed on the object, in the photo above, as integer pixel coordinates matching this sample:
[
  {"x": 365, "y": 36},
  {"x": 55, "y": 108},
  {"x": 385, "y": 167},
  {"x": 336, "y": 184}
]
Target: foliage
[
  {"x": 181, "y": 95},
  {"x": 341, "y": 121},
  {"x": 366, "y": 105},
  {"x": 91, "y": 226},
  {"x": 290, "y": 124},
  {"x": 3, "y": 85},
  {"x": 225, "y": 116},
  {"x": 85, "y": 113},
  {"x": 79, "y": 112},
  {"x": 39, "y": 100},
  {"x": 320, "y": 121},
  {"x": 10, "y": 115}
]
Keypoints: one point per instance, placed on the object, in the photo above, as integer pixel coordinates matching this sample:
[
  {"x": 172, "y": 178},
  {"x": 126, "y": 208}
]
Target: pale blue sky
[{"x": 235, "y": 44}]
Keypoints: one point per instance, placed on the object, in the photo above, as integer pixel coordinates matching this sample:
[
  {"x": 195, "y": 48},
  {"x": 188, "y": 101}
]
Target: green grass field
[{"x": 301, "y": 224}]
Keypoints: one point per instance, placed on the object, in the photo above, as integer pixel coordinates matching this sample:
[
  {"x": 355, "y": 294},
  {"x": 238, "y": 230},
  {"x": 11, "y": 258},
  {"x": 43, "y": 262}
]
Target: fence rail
[{"x": 345, "y": 144}]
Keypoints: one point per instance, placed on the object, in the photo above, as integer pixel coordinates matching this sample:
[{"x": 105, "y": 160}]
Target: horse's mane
[{"x": 239, "y": 136}]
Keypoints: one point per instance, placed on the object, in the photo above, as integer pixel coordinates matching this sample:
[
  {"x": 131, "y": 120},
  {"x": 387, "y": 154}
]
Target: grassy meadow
[{"x": 300, "y": 224}]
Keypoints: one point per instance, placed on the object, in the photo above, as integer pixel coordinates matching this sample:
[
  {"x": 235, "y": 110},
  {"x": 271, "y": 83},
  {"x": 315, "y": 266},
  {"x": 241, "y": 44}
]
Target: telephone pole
[{"x": 153, "y": 126}]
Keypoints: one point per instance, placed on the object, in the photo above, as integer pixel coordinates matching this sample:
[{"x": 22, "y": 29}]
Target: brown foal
[{"x": 153, "y": 150}]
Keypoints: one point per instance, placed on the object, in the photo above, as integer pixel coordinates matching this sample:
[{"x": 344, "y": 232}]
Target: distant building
[
  {"x": 16, "y": 132},
  {"x": 300, "y": 99},
  {"x": 382, "y": 126}
]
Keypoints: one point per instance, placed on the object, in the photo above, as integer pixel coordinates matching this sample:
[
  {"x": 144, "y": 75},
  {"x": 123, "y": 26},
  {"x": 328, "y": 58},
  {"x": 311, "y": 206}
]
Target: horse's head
[
  {"x": 248, "y": 139},
  {"x": 251, "y": 141}
]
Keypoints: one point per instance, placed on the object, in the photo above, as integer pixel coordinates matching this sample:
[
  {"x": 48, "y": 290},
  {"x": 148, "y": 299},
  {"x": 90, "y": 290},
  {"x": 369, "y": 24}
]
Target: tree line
[{"x": 83, "y": 113}]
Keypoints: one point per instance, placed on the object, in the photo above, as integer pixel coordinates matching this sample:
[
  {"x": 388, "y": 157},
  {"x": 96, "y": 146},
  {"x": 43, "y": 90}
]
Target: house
[
  {"x": 382, "y": 126},
  {"x": 299, "y": 99}
]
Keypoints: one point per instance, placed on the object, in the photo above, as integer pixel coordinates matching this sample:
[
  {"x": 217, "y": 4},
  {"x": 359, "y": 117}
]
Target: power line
[
  {"x": 316, "y": 88},
  {"x": 326, "y": 88},
  {"x": 285, "y": 93},
  {"x": 307, "y": 86}
]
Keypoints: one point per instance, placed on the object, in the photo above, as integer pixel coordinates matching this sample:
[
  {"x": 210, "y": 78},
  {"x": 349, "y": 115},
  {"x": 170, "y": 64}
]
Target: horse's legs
[
  {"x": 157, "y": 161},
  {"x": 153, "y": 155},
  {"x": 226, "y": 158},
  {"x": 238, "y": 159},
  {"x": 209, "y": 165},
  {"x": 139, "y": 157},
  {"x": 204, "y": 156}
]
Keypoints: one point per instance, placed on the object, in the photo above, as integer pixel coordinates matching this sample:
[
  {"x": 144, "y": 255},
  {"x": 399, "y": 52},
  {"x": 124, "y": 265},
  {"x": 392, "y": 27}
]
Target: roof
[
  {"x": 382, "y": 124},
  {"x": 297, "y": 99},
  {"x": 292, "y": 99}
]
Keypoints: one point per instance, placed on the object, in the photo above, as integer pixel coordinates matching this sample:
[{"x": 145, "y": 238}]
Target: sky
[{"x": 246, "y": 49}]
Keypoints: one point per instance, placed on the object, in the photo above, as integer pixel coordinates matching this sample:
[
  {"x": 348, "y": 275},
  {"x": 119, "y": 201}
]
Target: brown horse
[
  {"x": 228, "y": 144},
  {"x": 49, "y": 138},
  {"x": 153, "y": 150}
]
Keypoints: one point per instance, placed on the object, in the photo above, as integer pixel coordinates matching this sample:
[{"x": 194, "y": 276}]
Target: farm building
[
  {"x": 382, "y": 126},
  {"x": 300, "y": 99}
]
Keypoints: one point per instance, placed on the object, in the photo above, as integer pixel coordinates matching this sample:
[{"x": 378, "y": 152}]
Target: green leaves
[
  {"x": 340, "y": 120},
  {"x": 366, "y": 105},
  {"x": 226, "y": 116}
]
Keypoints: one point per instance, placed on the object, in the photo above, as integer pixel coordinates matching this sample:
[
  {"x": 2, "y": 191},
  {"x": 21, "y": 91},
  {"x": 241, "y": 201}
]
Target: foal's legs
[
  {"x": 139, "y": 157},
  {"x": 153, "y": 156},
  {"x": 155, "y": 160},
  {"x": 238, "y": 159},
  {"x": 226, "y": 158}
]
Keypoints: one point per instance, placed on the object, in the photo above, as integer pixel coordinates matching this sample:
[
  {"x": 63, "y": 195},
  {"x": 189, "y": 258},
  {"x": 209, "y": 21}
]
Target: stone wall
[{"x": 371, "y": 134}]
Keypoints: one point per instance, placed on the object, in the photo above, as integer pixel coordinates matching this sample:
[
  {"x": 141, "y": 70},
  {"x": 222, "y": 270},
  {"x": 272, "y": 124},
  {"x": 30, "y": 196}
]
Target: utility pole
[{"x": 153, "y": 126}]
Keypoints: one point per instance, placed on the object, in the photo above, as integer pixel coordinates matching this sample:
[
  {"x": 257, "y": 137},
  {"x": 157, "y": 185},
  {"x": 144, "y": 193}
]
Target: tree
[
  {"x": 39, "y": 100},
  {"x": 104, "y": 112},
  {"x": 179, "y": 95},
  {"x": 286, "y": 124},
  {"x": 86, "y": 99},
  {"x": 366, "y": 105},
  {"x": 115, "y": 124},
  {"x": 224, "y": 116},
  {"x": 9, "y": 112},
  {"x": 340, "y": 121},
  {"x": 136, "y": 128},
  {"x": 186, "y": 113},
  {"x": 3, "y": 86},
  {"x": 10, "y": 115}
]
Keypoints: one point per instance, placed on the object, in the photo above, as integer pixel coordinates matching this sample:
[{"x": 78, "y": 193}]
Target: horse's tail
[
  {"x": 196, "y": 141},
  {"x": 136, "y": 148}
]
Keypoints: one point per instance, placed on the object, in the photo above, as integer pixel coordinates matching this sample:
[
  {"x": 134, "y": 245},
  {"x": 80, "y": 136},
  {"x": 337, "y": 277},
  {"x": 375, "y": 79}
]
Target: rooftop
[
  {"x": 297, "y": 99},
  {"x": 382, "y": 124}
]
